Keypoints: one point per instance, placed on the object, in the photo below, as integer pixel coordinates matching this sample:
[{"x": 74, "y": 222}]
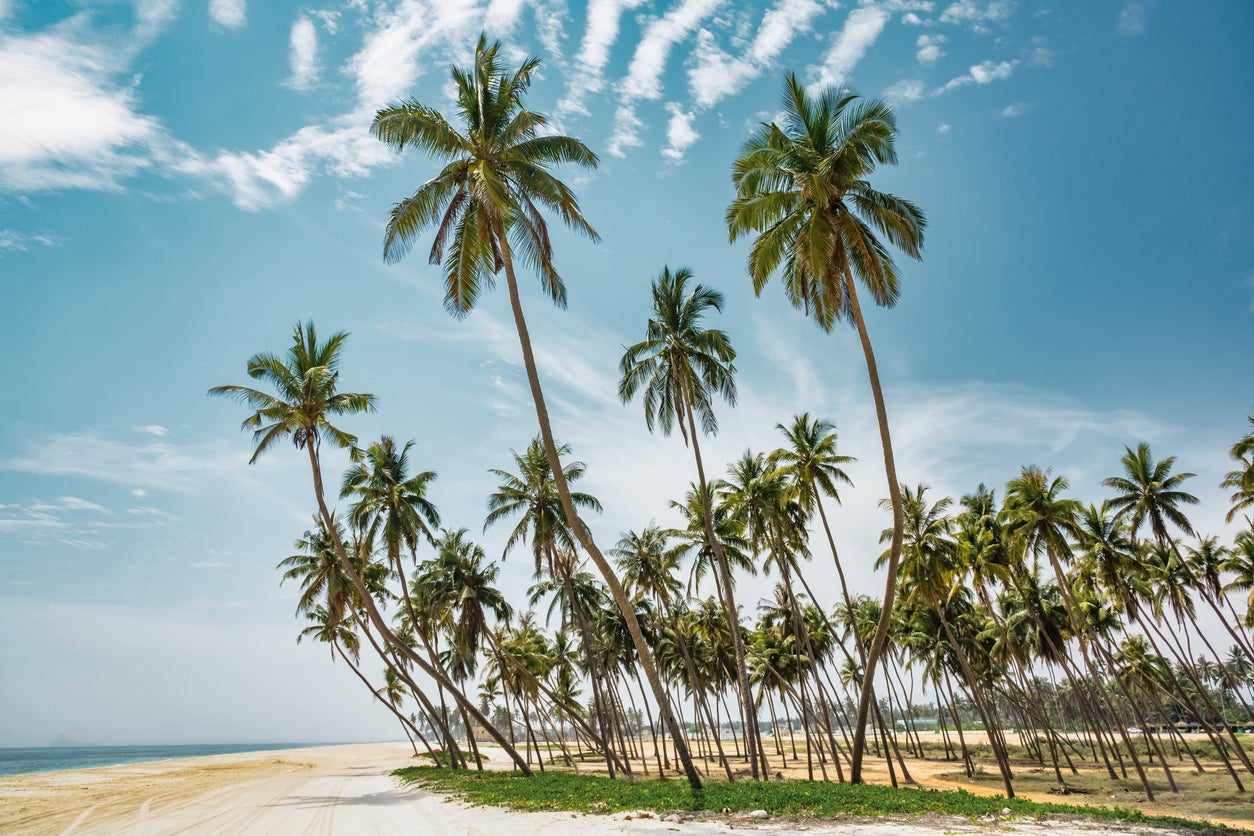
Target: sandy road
[{"x": 348, "y": 790}]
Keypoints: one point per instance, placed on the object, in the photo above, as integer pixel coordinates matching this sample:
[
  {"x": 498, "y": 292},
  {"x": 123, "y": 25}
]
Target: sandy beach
[{"x": 348, "y": 790}]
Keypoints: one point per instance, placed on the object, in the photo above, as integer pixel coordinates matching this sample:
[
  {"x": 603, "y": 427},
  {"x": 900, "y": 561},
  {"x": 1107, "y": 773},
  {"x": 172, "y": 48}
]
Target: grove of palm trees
[{"x": 1026, "y": 639}]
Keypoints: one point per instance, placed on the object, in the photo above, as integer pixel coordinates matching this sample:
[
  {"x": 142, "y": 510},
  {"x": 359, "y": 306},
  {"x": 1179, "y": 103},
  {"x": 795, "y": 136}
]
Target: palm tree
[
  {"x": 810, "y": 460},
  {"x": 1241, "y": 479},
  {"x": 680, "y": 366},
  {"x": 803, "y": 188},
  {"x": 486, "y": 203},
  {"x": 307, "y": 383},
  {"x": 531, "y": 493},
  {"x": 1148, "y": 491},
  {"x": 390, "y": 501}
]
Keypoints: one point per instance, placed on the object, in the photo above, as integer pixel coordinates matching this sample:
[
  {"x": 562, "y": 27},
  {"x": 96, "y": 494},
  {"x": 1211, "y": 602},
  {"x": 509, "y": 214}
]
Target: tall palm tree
[
  {"x": 1149, "y": 492},
  {"x": 680, "y": 366},
  {"x": 486, "y": 204},
  {"x": 308, "y": 396},
  {"x": 803, "y": 188},
  {"x": 390, "y": 502},
  {"x": 1241, "y": 478},
  {"x": 531, "y": 494},
  {"x": 810, "y": 460}
]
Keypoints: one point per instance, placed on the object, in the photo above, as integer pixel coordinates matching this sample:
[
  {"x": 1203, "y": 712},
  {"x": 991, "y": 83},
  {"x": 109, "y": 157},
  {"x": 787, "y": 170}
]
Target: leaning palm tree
[
  {"x": 680, "y": 366},
  {"x": 308, "y": 396},
  {"x": 802, "y": 187},
  {"x": 486, "y": 204}
]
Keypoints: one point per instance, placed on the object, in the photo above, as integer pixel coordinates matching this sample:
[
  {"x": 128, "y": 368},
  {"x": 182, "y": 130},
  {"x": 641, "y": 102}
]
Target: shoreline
[{"x": 135, "y": 754}]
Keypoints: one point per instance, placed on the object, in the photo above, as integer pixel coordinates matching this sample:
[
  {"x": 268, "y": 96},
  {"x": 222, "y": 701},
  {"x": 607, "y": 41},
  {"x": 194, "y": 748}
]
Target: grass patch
[{"x": 597, "y": 794}]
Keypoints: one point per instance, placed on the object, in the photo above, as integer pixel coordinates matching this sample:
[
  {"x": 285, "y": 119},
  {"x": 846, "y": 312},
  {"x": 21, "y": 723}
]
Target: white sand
[{"x": 349, "y": 790}]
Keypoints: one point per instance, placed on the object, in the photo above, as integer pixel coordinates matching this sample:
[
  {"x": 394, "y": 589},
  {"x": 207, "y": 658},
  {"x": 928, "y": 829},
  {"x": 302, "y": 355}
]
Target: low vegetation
[{"x": 556, "y": 791}]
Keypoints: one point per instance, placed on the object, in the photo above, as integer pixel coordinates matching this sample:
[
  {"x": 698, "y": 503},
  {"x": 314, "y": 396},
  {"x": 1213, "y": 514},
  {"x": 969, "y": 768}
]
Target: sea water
[{"x": 54, "y": 758}]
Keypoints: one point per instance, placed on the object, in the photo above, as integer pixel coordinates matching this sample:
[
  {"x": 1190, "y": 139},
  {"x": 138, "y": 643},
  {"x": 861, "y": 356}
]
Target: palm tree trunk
[
  {"x": 643, "y": 653},
  {"x": 733, "y": 613},
  {"x": 894, "y": 552}
]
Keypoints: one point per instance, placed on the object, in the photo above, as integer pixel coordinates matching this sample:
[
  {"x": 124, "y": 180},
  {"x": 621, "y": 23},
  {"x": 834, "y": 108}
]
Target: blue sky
[{"x": 180, "y": 182}]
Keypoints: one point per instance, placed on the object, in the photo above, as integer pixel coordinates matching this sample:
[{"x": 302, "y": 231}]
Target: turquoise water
[{"x": 54, "y": 758}]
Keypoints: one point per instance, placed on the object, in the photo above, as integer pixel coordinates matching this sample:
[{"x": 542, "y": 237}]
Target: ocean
[{"x": 55, "y": 758}]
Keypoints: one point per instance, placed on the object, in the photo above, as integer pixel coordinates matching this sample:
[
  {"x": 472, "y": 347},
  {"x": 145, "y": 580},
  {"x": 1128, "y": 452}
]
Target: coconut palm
[
  {"x": 487, "y": 204},
  {"x": 810, "y": 460},
  {"x": 680, "y": 366},
  {"x": 531, "y": 494},
  {"x": 1149, "y": 492},
  {"x": 390, "y": 502},
  {"x": 802, "y": 188},
  {"x": 308, "y": 396},
  {"x": 1241, "y": 478}
]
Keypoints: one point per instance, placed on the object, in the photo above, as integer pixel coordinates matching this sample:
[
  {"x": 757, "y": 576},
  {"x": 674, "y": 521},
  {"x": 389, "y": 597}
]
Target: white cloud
[
  {"x": 983, "y": 73},
  {"x": 911, "y": 19},
  {"x": 153, "y": 429},
  {"x": 861, "y": 29},
  {"x": 714, "y": 74},
  {"x": 1014, "y": 109},
  {"x": 976, "y": 16},
  {"x": 151, "y": 464},
  {"x": 587, "y": 77},
  {"x": 229, "y": 14},
  {"x": 905, "y": 91},
  {"x": 929, "y": 48},
  {"x": 151, "y": 17},
  {"x": 679, "y": 132},
  {"x": 79, "y": 127},
  {"x": 943, "y": 128},
  {"x": 13, "y": 241},
  {"x": 303, "y": 54},
  {"x": 644, "y": 73},
  {"x": 210, "y": 564},
  {"x": 139, "y": 492},
  {"x": 1131, "y": 20}
]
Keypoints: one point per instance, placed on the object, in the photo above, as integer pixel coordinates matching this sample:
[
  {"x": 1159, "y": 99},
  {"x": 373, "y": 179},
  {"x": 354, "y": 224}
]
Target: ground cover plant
[{"x": 558, "y": 791}]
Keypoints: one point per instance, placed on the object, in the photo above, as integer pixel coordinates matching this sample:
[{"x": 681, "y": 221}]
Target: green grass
[{"x": 797, "y": 799}]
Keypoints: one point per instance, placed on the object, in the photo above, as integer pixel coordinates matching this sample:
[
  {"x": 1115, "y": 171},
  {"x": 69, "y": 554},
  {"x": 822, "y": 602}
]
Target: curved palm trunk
[
  {"x": 894, "y": 553},
  {"x": 643, "y": 653},
  {"x": 406, "y": 725},
  {"x": 748, "y": 717},
  {"x": 376, "y": 618}
]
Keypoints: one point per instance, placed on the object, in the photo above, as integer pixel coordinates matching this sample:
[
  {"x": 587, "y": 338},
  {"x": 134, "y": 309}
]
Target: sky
[{"x": 182, "y": 181}]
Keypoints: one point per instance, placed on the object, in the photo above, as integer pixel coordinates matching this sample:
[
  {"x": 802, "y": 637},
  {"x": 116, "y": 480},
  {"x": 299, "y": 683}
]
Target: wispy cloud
[
  {"x": 303, "y": 54},
  {"x": 80, "y": 127},
  {"x": 153, "y": 429},
  {"x": 977, "y": 16},
  {"x": 599, "y": 35},
  {"x": 153, "y": 464},
  {"x": 714, "y": 74},
  {"x": 644, "y": 73},
  {"x": 1014, "y": 109},
  {"x": 983, "y": 73},
  {"x": 12, "y": 241},
  {"x": 1131, "y": 20},
  {"x": 905, "y": 91},
  {"x": 229, "y": 14},
  {"x": 861, "y": 29}
]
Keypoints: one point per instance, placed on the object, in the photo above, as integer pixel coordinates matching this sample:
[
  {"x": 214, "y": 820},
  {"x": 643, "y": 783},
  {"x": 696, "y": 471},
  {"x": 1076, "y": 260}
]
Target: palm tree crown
[
  {"x": 803, "y": 186},
  {"x": 678, "y": 362},
  {"x": 494, "y": 182},
  {"x": 305, "y": 383}
]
